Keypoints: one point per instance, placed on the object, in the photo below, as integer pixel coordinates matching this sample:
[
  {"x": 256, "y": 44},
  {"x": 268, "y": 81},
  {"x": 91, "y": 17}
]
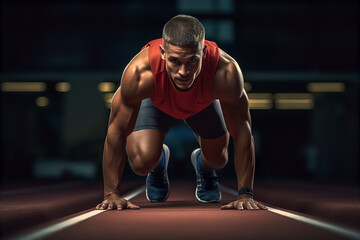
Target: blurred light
[
  {"x": 42, "y": 101},
  {"x": 260, "y": 100},
  {"x": 294, "y": 101},
  {"x": 108, "y": 97},
  {"x": 247, "y": 86},
  {"x": 106, "y": 87},
  {"x": 23, "y": 87},
  {"x": 62, "y": 87},
  {"x": 261, "y": 104},
  {"x": 326, "y": 87}
]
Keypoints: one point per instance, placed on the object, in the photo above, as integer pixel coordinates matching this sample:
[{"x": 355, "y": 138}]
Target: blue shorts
[{"x": 208, "y": 124}]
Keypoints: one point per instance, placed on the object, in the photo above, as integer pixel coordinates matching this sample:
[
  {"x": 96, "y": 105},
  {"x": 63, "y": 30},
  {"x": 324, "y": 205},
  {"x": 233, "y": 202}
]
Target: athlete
[{"x": 180, "y": 76}]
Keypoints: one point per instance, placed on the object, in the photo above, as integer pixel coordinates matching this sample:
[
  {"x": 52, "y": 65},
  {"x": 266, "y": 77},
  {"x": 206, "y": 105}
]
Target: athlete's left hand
[{"x": 243, "y": 202}]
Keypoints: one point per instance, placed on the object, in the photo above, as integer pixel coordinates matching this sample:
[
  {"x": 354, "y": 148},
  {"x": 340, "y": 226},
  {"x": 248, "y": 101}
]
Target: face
[{"x": 183, "y": 64}]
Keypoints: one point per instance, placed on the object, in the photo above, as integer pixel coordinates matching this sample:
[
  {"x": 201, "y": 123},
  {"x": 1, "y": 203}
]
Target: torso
[
  {"x": 176, "y": 103},
  {"x": 145, "y": 86}
]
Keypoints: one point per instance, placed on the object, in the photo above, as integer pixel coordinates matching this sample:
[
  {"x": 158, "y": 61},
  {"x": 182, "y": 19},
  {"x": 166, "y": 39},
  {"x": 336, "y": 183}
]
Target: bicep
[{"x": 136, "y": 84}]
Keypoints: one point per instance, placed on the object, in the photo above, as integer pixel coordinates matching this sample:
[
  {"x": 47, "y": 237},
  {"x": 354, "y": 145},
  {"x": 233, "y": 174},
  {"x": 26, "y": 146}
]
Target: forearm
[
  {"x": 244, "y": 160},
  {"x": 238, "y": 122},
  {"x": 113, "y": 161}
]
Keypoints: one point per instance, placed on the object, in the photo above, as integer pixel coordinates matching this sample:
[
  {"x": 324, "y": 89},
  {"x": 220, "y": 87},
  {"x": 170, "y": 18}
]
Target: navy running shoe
[
  {"x": 207, "y": 184},
  {"x": 157, "y": 181}
]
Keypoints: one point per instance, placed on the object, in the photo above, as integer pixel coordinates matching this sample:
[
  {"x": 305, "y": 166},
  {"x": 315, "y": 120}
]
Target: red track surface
[{"x": 183, "y": 217}]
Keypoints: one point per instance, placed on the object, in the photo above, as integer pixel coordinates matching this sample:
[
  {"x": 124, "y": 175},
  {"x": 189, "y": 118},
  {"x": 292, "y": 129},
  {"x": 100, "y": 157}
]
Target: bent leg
[
  {"x": 214, "y": 152},
  {"x": 210, "y": 130},
  {"x": 144, "y": 144},
  {"x": 144, "y": 149}
]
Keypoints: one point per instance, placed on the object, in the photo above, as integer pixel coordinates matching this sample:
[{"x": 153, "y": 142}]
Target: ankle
[{"x": 201, "y": 166}]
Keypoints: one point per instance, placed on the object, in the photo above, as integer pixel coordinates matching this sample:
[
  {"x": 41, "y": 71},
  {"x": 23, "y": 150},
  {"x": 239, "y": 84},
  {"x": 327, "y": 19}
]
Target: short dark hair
[{"x": 184, "y": 30}]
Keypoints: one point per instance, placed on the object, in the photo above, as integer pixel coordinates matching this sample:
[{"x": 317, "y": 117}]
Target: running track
[{"x": 182, "y": 217}]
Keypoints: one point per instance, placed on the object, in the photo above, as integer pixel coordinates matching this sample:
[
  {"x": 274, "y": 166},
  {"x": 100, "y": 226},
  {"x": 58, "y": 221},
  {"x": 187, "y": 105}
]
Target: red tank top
[{"x": 182, "y": 104}]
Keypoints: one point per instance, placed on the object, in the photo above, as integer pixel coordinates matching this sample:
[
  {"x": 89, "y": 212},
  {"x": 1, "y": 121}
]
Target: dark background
[{"x": 281, "y": 46}]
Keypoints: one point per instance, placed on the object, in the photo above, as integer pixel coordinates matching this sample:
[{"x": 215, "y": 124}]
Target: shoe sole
[
  {"x": 167, "y": 157},
  {"x": 193, "y": 161}
]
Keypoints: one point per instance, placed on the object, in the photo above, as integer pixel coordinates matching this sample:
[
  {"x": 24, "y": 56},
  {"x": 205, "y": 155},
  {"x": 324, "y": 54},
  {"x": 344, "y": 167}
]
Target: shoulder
[
  {"x": 137, "y": 81},
  {"x": 228, "y": 81}
]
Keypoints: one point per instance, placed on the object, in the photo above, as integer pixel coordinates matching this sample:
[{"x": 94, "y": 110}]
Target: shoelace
[
  {"x": 157, "y": 178},
  {"x": 207, "y": 182}
]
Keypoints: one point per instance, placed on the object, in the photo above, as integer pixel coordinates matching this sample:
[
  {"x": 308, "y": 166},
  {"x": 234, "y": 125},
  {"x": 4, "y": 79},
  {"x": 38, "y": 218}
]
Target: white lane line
[
  {"x": 350, "y": 233},
  {"x": 135, "y": 193},
  {"x": 228, "y": 190},
  {"x": 58, "y": 227},
  {"x": 42, "y": 233},
  {"x": 346, "y": 232}
]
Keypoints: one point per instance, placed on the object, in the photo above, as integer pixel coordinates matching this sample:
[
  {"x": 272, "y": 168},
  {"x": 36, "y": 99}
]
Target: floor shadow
[{"x": 181, "y": 204}]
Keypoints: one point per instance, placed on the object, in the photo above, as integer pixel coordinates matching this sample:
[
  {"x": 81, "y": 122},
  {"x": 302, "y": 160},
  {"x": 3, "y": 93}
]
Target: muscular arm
[
  {"x": 228, "y": 88},
  {"x": 121, "y": 123},
  {"x": 237, "y": 118},
  {"x": 136, "y": 84}
]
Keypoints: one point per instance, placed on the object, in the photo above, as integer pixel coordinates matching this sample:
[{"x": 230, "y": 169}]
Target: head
[{"x": 183, "y": 50}]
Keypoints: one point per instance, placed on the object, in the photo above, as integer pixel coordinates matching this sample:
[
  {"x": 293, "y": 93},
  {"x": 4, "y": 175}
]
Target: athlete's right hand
[{"x": 115, "y": 202}]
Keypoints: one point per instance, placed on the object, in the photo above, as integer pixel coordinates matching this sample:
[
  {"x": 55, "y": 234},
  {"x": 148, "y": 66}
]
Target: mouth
[
  {"x": 183, "y": 83},
  {"x": 182, "y": 80}
]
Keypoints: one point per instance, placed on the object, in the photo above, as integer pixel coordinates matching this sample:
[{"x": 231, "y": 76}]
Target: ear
[
  {"x": 204, "y": 51},
  {"x": 162, "y": 51}
]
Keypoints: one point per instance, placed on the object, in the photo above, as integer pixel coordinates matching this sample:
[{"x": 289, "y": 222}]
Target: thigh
[
  {"x": 210, "y": 130},
  {"x": 144, "y": 144},
  {"x": 150, "y": 117},
  {"x": 209, "y": 123},
  {"x": 143, "y": 149}
]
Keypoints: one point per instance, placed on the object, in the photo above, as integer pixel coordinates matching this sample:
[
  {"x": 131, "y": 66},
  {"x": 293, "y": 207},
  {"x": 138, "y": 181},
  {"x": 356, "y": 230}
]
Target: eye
[
  {"x": 173, "y": 60},
  {"x": 193, "y": 60}
]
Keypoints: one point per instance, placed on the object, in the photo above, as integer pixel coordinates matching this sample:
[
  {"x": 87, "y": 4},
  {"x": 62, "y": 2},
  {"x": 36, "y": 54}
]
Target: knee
[
  {"x": 217, "y": 161},
  {"x": 142, "y": 164},
  {"x": 139, "y": 169}
]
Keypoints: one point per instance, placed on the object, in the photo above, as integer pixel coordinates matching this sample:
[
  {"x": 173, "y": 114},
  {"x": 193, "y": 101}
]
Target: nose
[{"x": 183, "y": 70}]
